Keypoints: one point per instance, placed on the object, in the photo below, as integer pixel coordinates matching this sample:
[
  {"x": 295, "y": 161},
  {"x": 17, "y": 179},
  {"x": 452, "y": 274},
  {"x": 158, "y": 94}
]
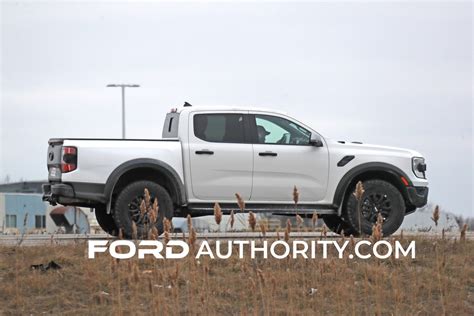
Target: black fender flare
[
  {"x": 363, "y": 168},
  {"x": 154, "y": 164}
]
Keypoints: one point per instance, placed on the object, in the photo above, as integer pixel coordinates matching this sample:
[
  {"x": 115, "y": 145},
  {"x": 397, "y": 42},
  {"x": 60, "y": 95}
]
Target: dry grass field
[{"x": 439, "y": 281}]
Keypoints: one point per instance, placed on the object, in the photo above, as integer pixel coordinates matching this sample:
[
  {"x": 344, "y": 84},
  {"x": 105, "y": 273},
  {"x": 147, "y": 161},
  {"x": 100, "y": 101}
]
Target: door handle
[
  {"x": 268, "y": 153},
  {"x": 204, "y": 152}
]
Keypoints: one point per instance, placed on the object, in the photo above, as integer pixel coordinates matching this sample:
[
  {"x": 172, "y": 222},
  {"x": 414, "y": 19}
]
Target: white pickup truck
[{"x": 208, "y": 154}]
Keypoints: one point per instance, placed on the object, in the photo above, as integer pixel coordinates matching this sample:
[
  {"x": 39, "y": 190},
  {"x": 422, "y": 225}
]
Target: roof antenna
[{"x": 187, "y": 104}]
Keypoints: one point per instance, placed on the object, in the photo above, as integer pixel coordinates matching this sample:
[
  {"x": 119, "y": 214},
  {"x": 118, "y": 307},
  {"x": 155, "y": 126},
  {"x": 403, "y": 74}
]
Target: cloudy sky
[{"x": 397, "y": 74}]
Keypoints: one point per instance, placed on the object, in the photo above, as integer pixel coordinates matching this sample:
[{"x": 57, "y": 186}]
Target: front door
[
  {"x": 284, "y": 158},
  {"x": 220, "y": 156}
]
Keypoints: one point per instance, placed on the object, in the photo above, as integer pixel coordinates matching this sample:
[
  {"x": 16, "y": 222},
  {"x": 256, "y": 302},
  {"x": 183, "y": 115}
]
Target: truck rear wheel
[
  {"x": 338, "y": 225},
  {"x": 106, "y": 221},
  {"x": 380, "y": 197},
  {"x": 127, "y": 208}
]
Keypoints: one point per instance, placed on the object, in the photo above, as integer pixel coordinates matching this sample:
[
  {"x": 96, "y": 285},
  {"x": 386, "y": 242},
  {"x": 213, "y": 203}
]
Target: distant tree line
[{"x": 465, "y": 220}]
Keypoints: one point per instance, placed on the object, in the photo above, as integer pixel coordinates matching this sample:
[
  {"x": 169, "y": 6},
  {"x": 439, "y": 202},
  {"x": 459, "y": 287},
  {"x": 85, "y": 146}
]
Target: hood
[{"x": 351, "y": 147}]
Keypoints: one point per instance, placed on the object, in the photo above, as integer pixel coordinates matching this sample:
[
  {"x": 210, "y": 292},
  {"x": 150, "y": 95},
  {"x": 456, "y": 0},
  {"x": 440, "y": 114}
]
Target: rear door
[
  {"x": 220, "y": 156},
  {"x": 284, "y": 158}
]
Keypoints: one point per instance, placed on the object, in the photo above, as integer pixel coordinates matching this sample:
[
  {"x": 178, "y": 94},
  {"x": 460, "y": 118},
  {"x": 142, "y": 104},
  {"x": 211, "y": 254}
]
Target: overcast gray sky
[{"x": 396, "y": 74}]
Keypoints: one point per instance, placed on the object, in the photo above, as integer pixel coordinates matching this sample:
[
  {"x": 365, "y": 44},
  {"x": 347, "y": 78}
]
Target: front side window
[
  {"x": 219, "y": 128},
  {"x": 277, "y": 130}
]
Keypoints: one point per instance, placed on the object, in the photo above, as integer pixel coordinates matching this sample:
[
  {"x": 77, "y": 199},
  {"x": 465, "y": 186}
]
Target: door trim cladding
[
  {"x": 360, "y": 169},
  {"x": 146, "y": 163}
]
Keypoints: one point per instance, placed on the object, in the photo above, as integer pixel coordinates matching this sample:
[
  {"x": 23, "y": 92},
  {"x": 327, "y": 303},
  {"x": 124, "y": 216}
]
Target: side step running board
[{"x": 208, "y": 209}]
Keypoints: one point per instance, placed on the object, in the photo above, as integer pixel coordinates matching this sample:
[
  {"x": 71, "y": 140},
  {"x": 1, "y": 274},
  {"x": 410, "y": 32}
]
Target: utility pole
[{"x": 123, "y": 86}]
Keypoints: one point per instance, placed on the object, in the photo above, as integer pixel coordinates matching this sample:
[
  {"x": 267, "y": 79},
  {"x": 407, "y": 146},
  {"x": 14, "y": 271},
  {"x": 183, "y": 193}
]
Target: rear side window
[{"x": 219, "y": 128}]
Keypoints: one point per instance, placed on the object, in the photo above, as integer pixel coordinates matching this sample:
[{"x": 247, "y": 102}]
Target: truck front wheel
[
  {"x": 127, "y": 208},
  {"x": 379, "y": 197}
]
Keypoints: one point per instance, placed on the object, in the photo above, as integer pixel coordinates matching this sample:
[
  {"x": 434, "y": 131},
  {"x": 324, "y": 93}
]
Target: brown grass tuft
[
  {"x": 287, "y": 230},
  {"x": 190, "y": 222},
  {"x": 263, "y": 228},
  {"x": 134, "y": 230},
  {"x": 377, "y": 229},
  {"x": 296, "y": 195},
  {"x": 288, "y": 225},
  {"x": 299, "y": 221},
  {"x": 435, "y": 217},
  {"x": 232, "y": 219},
  {"x": 143, "y": 208},
  {"x": 154, "y": 233},
  {"x": 217, "y": 213},
  {"x": 166, "y": 237},
  {"x": 359, "y": 191},
  {"x": 167, "y": 229},
  {"x": 463, "y": 232},
  {"x": 222, "y": 287},
  {"x": 153, "y": 213},
  {"x": 314, "y": 219},
  {"x": 240, "y": 202},
  {"x": 192, "y": 237},
  {"x": 166, "y": 225},
  {"x": 147, "y": 197},
  {"x": 252, "y": 220},
  {"x": 261, "y": 277}
]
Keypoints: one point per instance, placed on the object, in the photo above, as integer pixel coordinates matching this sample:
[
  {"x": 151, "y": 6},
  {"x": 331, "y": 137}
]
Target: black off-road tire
[
  {"x": 106, "y": 221},
  {"x": 124, "y": 208},
  {"x": 388, "y": 200},
  {"x": 338, "y": 225}
]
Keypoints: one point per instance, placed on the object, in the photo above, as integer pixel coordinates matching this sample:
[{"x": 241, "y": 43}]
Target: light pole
[{"x": 123, "y": 86}]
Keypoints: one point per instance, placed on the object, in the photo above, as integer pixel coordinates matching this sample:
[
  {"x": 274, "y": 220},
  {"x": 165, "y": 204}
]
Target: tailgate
[{"x": 54, "y": 160}]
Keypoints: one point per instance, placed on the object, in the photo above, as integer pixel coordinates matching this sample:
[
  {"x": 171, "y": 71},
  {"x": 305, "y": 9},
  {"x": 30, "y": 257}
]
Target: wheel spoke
[
  {"x": 135, "y": 211},
  {"x": 374, "y": 204}
]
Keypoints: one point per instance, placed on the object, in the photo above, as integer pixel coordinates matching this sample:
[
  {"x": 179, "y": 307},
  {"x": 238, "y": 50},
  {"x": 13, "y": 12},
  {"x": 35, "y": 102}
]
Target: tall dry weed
[
  {"x": 377, "y": 229},
  {"x": 463, "y": 232},
  {"x": 314, "y": 219},
  {"x": 217, "y": 213},
  {"x": 299, "y": 221},
  {"x": 232, "y": 219},
  {"x": 240, "y": 202},
  {"x": 359, "y": 193},
  {"x": 435, "y": 216},
  {"x": 252, "y": 220},
  {"x": 296, "y": 195}
]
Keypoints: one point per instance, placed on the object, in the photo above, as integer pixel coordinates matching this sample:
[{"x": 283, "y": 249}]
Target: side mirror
[{"x": 315, "y": 140}]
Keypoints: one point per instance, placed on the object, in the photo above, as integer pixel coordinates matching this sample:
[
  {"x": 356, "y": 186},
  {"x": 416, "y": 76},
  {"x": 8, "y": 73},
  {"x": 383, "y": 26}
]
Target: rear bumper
[
  {"x": 418, "y": 196},
  {"x": 77, "y": 194}
]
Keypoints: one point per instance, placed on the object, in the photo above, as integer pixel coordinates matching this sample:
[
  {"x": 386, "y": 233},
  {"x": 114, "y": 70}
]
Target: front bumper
[{"x": 417, "y": 196}]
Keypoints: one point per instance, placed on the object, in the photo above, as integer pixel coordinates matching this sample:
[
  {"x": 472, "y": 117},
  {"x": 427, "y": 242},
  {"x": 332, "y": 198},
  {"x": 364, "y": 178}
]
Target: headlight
[{"x": 419, "y": 167}]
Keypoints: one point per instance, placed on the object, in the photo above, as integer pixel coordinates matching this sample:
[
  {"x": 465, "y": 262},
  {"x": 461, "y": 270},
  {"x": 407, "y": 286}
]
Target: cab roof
[{"x": 189, "y": 108}]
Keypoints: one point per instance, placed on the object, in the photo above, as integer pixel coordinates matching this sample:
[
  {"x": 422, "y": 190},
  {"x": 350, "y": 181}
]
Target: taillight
[{"x": 68, "y": 159}]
